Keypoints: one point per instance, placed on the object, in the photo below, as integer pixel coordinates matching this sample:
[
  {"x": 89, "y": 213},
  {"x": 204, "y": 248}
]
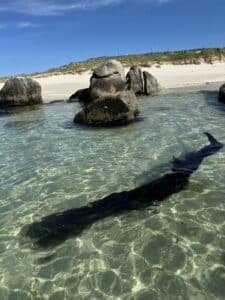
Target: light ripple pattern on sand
[{"x": 48, "y": 165}]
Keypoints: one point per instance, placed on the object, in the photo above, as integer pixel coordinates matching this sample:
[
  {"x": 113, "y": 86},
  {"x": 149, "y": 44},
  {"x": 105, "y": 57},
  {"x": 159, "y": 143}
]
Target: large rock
[
  {"x": 135, "y": 80},
  {"x": 222, "y": 93},
  {"x": 109, "y": 68},
  {"x": 20, "y": 92},
  {"x": 108, "y": 78},
  {"x": 151, "y": 85},
  {"x": 82, "y": 95},
  {"x": 107, "y": 85},
  {"x": 112, "y": 110},
  {"x": 142, "y": 83}
]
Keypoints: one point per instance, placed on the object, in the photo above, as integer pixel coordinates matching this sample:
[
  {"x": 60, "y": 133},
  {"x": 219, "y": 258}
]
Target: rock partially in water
[
  {"x": 142, "y": 83},
  {"x": 151, "y": 85},
  {"x": 135, "y": 80},
  {"x": 112, "y": 110},
  {"x": 108, "y": 78},
  {"x": 20, "y": 92},
  {"x": 81, "y": 95},
  {"x": 222, "y": 93}
]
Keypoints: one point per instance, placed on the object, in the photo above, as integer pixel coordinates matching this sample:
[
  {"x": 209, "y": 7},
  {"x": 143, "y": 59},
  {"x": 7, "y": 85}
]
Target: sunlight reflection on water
[{"x": 49, "y": 165}]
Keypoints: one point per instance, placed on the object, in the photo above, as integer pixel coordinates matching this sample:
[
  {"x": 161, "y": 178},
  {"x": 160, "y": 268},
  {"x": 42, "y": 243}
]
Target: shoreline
[{"x": 206, "y": 76}]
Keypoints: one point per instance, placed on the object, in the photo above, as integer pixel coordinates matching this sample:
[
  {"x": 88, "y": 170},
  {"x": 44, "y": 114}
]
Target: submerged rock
[
  {"x": 20, "y": 92},
  {"x": 112, "y": 110},
  {"x": 222, "y": 93}
]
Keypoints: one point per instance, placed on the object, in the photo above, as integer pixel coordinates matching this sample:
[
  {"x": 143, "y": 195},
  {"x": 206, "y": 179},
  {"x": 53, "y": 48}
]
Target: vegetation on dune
[{"x": 193, "y": 56}]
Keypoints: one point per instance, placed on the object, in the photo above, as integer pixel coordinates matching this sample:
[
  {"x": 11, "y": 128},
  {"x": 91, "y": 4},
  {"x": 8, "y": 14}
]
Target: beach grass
[{"x": 182, "y": 57}]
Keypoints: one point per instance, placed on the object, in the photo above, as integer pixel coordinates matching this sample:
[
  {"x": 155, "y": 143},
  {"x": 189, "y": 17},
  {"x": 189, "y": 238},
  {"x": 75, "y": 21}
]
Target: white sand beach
[{"x": 60, "y": 87}]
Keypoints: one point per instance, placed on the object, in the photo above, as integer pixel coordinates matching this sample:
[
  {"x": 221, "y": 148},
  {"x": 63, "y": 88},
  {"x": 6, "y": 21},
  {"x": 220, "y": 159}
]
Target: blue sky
[{"x": 40, "y": 34}]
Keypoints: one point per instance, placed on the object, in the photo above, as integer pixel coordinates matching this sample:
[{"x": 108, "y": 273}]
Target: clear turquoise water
[{"x": 49, "y": 165}]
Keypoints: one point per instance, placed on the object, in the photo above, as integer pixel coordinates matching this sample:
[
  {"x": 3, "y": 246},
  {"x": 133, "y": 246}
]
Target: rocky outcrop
[
  {"x": 20, "y": 92},
  {"x": 107, "y": 78},
  {"x": 110, "y": 100},
  {"x": 151, "y": 85},
  {"x": 106, "y": 85},
  {"x": 135, "y": 80},
  {"x": 81, "y": 95},
  {"x": 222, "y": 93},
  {"x": 142, "y": 83},
  {"x": 109, "y": 103},
  {"x": 112, "y": 110},
  {"x": 109, "y": 68}
]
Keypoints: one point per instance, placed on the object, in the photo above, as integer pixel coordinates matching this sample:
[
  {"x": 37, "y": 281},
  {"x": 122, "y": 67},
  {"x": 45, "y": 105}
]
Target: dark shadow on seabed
[
  {"x": 211, "y": 98},
  {"x": 56, "y": 228}
]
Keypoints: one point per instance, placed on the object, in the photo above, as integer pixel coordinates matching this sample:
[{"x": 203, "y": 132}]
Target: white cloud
[
  {"x": 50, "y": 7},
  {"x": 56, "y": 7},
  {"x": 22, "y": 25},
  {"x": 18, "y": 25}
]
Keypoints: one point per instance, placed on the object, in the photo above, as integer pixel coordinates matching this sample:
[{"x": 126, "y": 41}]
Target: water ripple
[{"x": 175, "y": 251}]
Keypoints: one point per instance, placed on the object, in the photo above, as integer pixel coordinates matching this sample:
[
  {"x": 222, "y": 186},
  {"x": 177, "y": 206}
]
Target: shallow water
[{"x": 49, "y": 165}]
